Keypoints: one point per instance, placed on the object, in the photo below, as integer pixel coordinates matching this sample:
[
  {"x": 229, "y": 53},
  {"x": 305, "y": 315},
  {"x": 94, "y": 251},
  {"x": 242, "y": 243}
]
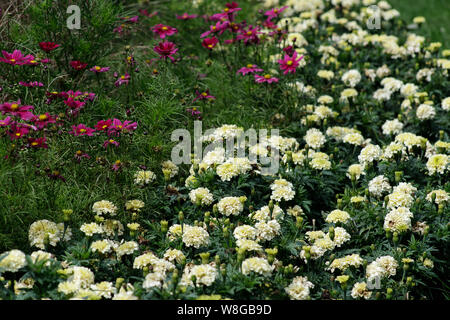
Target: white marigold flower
[
  {"x": 314, "y": 138},
  {"x": 392, "y": 84},
  {"x": 379, "y": 185},
  {"x": 195, "y": 236},
  {"x": 398, "y": 220},
  {"x": 424, "y": 73},
  {"x": 144, "y": 260},
  {"x": 205, "y": 275},
  {"x": 82, "y": 277},
  {"x": 441, "y": 196},
  {"x": 425, "y": 112},
  {"x": 245, "y": 232},
  {"x": 354, "y": 138},
  {"x": 345, "y": 262},
  {"x": 266, "y": 231},
  {"x": 105, "y": 289},
  {"x": 437, "y": 163},
  {"x": 355, "y": 171},
  {"x": 174, "y": 232},
  {"x": 348, "y": 93},
  {"x": 125, "y": 293},
  {"x": 227, "y": 171},
  {"x": 153, "y": 280},
  {"x": 174, "y": 255},
  {"x": 45, "y": 230},
  {"x": 299, "y": 289},
  {"x": 12, "y": 261},
  {"x": 134, "y": 205},
  {"x": 337, "y": 215},
  {"x": 400, "y": 199},
  {"x": 314, "y": 235},
  {"x": 248, "y": 245},
  {"x": 445, "y": 104},
  {"x": 169, "y": 168},
  {"x": 340, "y": 236},
  {"x": 360, "y": 291},
  {"x": 369, "y": 154},
  {"x": 325, "y": 99},
  {"x": 230, "y": 206},
  {"x": 282, "y": 189},
  {"x": 40, "y": 255},
  {"x": 104, "y": 207},
  {"x": 265, "y": 213},
  {"x": 142, "y": 178},
  {"x": 405, "y": 187},
  {"x": 201, "y": 197},
  {"x": 382, "y": 267},
  {"x": 392, "y": 127},
  {"x": 382, "y": 94},
  {"x": 410, "y": 140},
  {"x": 408, "y": 90},
  {"x": 126, "y": 248},
  {"x": 112, "y": 227},
  {"x": 103, "y": 246},
  {"x": 351, "y": 78},
  {"x": 89, "y": 229},
  {"x": 325, "y": 74},
  {"x": 391, "y": 150},
  {"x": 257, "y": 265}
]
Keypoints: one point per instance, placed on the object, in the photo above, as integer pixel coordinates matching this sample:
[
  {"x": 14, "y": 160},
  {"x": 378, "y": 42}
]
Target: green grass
[{"x": 436, "y": 13}]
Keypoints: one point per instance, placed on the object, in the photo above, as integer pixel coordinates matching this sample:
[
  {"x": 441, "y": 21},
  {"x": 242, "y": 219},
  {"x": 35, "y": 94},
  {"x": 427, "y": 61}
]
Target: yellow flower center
[
  {"x": 267, "y": 76},
  {"x": 33, "y": 61},
  {"x": 43, "y": 117},
  {"x": 204, "y": 94},
  {"x": 122, "y": 77},
  {"x": 12, "y": 60},
  {"x": 97, "y": 68},
  {"x": 210, "y": 45},
  {"x": 117, "y": 162},
  {"x": 289, "y": 63},
  {"x": 104, "y": 126},
  {"x": 82, "y": 130},
  {"x": 18, "y": 134},
  {"x": 120, "y": 126},
  {"x": 14, "y": 106},
  {"x": 249, "y": 66},
  {"x": 226, "y": 9},
  {"x": 249, "y": 33},
  {"x": 164, "y": 28},
  {"x": 34, "y": 143},
  {"x": 111, "y": 141},
  {"x": 214, "y": 28},
  {"x": 79, "y": 153}
]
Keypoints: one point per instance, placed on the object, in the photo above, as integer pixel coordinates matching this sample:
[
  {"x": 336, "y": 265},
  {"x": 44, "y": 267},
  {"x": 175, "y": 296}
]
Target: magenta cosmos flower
[
  {"x": 48, "y": 46},
  {"x": 274, "y": 12},
  {"x": 163, "y": 30},
  {"x": 203, "y": 95},
  {"x": 6, "y": 122},
  {"x": 98, "y": 69},
  {"x": 249, "y": 35},
  {"x": 289, "y": 64},
  {"x": 265, "y": 78},
  {"x": 210, "y": 43},
  {"x": 78, "y": 65},
  {"x": 38, "y": 142},
  {"x": 15, "y": 109},
  {"x": 250, "y": 68},
  {"x": 82, "y": 130},
  {"x": 16, "y": 58},
  {"x": 124, "y": 79},
  {"x": 166, "y": 50},
  {"x": 117, "y": 127},
  {"x": 42, "y": 120},
  {"x": 186, "y": 16},
  {"x": 110, "y": 142},
  {"x": 219, "y": 28}
]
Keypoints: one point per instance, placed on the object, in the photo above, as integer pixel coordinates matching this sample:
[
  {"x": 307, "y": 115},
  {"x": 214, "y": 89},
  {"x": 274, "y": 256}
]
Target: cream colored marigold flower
[
  {"x": 169, "y": 168},
  {"x": 398, "y": 220},
  {"x": 343, "y": 263},
  {"x": 103, "y": 246},
  {"x": 382, "y": 267},
  {"x": 45, "y": 231},
  {"x": 314, "y": 138},
  {"x": 245, "y": 232},
  {"x": 266, "y": 231},
  {"x": 351, "y": 78},
  {"x": 360, "y": 291},
  {"x": 231, "y": 206},
  {"x": 440, "y": 196},
  {"x": 12, "y": 260},
  {"x": 379, "y": 185},
  {"x": 104, "y": 207},
  {"x": 90, "y": 229},
  {"x": 369, "y": 154},
  {"x": 337, "y": 215},
  {"x": 354, "y": 138},
  {"x": 445, "y": 104},
  {"x": 248, "y": 245},
  {"x": 201, "y": 197},
  {"x": 205, "y": 274},
  {"x": 425, "y": 112},
  {"x": 227, "y": 171},
  {"x": 126, "y": 248},
  {"x": 257, "y": 265},
  {"x": 437, "y": 163},
  {"x": 299, "y": 289},
  {"x": 174, "y": 255},
  {"x": 355, "y": 171},
  {"x": 134, "y": 205},
  {"x": 392, "y": 127},
  {"x": 195, "y": 236},
  {"x": 142, "y": 177}
]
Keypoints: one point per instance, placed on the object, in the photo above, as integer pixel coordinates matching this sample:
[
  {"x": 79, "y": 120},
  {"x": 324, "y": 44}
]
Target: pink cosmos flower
[
  {"x": 103, "y": 125},
  {"x": 48, "y": 46},
  {"x": 132, "y": 19},
  {"x": 17, "y": 132},
  {"x": 15, "y": 109},
  {"x": 274, "y": 12},
  {"x": 249, "y": 35},
  {"x": 163, "y": 30},
  {"x": 80, "y": 155},
  {"x": 124, "y": 79},
  {"x": 219, "y": 28},
  {"x": 250, "y": 68},
  {"x": 78, "y": 65},
  {"x": 16, "y": 58},
  {"x": 6, "y": 122},
  {"x": 166, "y": 50},
  {"x": 144, "y": 12},
  {"x": 210, "y": 43},
  {"x": 289, "y": 64},
  {"x": 31, "y": 84},
  {"x": 38, "y": 142},
  {"x": 82, "y": 130},
  {"x": 203, "y": 95},
  {"x": 118, "y": 127},
  {"x": 110, "y": 141},
  {"x": 98, "y": 69},
  {"x": 195, "y": 112},
  {"x": 228, "y": 13},
  {"x": 42, "y": 120},
  {"x": 266, "y": 78},
  {"x": 186, "y": 16}
]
